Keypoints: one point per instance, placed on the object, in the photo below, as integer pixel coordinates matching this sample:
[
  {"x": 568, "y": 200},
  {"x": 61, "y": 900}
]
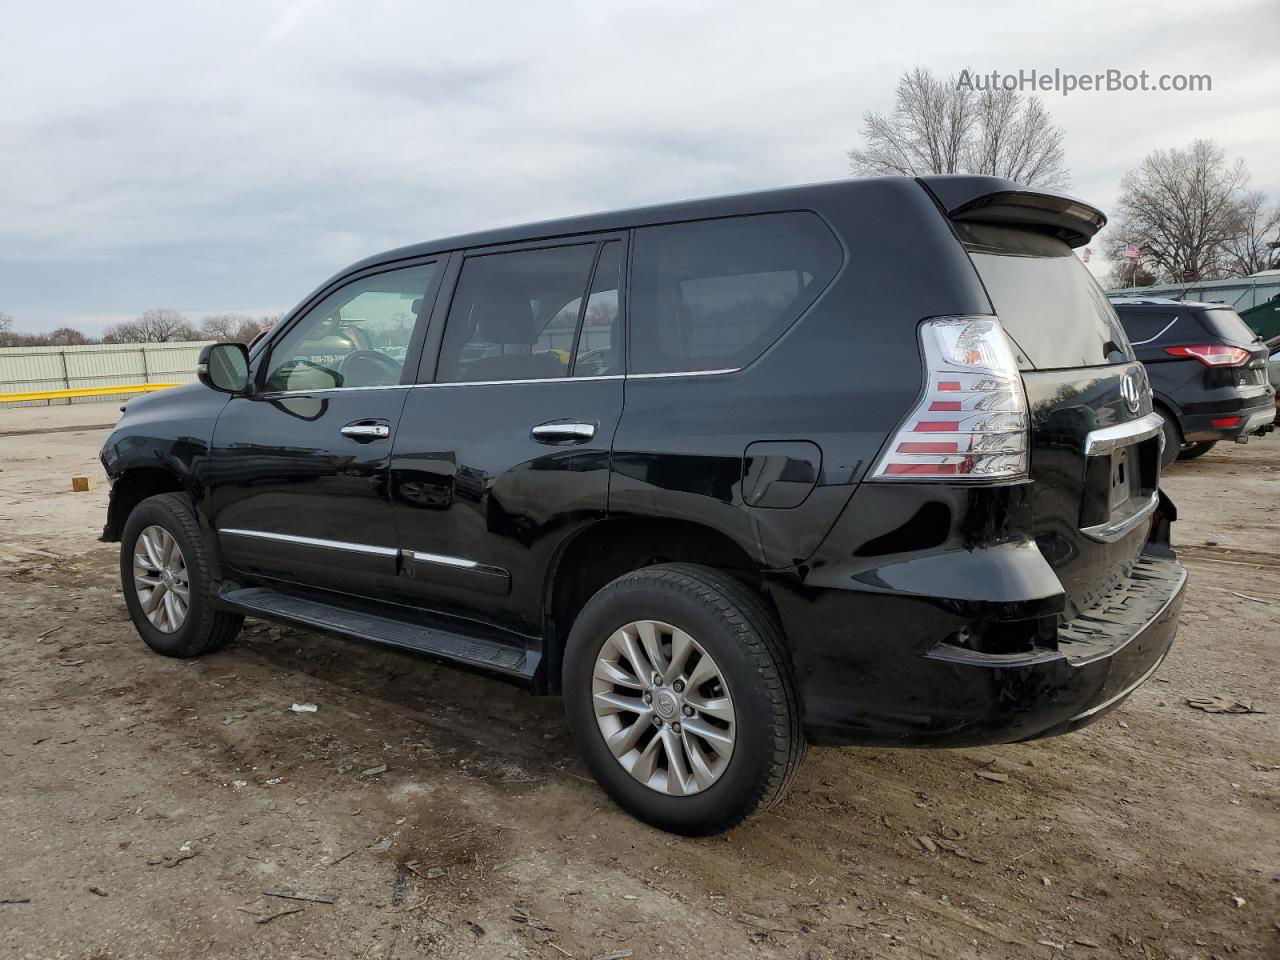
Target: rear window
[
  {"x": 1225, "y": 323},
  {"x": 1047, "y": 301},
  {"x": 715, "y": 294}
]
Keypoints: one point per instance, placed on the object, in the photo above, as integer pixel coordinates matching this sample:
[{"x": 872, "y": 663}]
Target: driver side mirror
[{"x": 224, "y": 367}]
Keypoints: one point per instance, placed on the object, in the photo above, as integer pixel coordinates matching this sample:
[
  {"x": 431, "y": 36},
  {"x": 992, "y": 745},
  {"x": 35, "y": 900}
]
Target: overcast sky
[{"x": 231, "y": 160}]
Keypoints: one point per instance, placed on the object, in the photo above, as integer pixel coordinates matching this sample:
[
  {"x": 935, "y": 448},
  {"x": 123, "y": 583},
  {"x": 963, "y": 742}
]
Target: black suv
[
  {"x": 1208, "y": 372},
  {"x": 813, "y": 465}
]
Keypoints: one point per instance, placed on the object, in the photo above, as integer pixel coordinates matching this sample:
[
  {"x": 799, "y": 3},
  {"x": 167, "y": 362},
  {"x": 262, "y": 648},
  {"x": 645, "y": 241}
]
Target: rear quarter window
[
  {"x": 715, "y": 294},
  {"x": 1047, "y": 301},
  {"x": 1225, "y": 324},
  {"x": 1144, "y": 326}
]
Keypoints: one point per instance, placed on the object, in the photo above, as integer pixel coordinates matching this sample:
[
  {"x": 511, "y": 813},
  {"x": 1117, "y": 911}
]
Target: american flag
[{"x": 1132, "y": 251}]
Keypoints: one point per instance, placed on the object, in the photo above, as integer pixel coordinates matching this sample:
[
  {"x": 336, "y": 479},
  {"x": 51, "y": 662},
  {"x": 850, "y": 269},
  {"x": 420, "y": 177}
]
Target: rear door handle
[
  {"x": 365, "y": 431},
  {"x": 564, "y": 431}
]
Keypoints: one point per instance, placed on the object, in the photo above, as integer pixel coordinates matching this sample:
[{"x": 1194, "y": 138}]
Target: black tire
[
  {"x": 205, "y": 627},
  {"x": 1172, "y": 439},
  {"x": 1193, "y": 450},
  {"x": 744, "y": 639}
]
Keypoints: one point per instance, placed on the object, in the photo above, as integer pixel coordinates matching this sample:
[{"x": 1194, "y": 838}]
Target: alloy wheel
[
  {"x": 160, "y": 578},
  {"x": 663, "y": 707}
]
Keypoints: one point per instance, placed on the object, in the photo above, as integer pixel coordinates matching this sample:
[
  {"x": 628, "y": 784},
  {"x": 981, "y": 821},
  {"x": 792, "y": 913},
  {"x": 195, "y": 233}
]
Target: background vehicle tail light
[
  {"x": 971, "y": 423},
  {"x": 1212, "y": 355}
]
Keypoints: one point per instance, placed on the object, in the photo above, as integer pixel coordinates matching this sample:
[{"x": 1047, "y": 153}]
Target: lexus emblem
[{"x": 1131, "y": 389}]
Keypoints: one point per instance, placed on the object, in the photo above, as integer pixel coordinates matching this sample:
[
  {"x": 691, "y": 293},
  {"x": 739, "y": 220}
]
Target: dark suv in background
[
  {"x": 820, "y": 464},
  {"x": 1208, "y": 372}
]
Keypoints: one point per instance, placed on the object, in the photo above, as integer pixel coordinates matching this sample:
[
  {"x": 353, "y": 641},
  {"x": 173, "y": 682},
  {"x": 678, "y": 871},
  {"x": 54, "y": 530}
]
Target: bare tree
[
  {"x": 1014, "y": 137},
  {"x": 154, "y": 326},
  {"x": 68, "y": 337},
  {"x": 1256, "y": 246},
  {"x": 946, "y": 126},
  {"x": 1182, "y": 207},
  {"x": 6, "y": 322},
  {"x": 223, "y": 326}
]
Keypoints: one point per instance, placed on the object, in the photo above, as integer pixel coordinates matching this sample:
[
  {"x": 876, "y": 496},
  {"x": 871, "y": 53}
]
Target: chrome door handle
[
  {"x": 564, "y": 432},
  {"x": 366, "y": 431}
]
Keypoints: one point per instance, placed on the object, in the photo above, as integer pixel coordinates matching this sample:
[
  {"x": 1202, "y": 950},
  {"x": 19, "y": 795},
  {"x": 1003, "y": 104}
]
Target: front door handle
[
  {"x": 367, "y": 430},
  {"x": 564, "y": 431}
]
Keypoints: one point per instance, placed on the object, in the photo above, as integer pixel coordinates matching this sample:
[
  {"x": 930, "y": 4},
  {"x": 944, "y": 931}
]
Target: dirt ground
[{"x": 148, "y": 805}]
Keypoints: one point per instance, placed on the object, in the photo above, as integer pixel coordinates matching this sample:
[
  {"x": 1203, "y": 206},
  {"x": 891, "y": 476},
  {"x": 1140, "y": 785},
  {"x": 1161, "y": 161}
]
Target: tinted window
[
  {"x": 600, "y": 345},
  {"x": 1146, "y": 326},
  {"x": 514, "y": 315},
  {"x": 716, "y": 293},
  {"x": 1225, "y": 323},
  {"x": 357, "y": 336},
  {"x": 1046, "y": 299}
]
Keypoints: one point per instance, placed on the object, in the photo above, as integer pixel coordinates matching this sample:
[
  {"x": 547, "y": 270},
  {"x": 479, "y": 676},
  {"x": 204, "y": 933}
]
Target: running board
[{"x": 435, "y": 641}]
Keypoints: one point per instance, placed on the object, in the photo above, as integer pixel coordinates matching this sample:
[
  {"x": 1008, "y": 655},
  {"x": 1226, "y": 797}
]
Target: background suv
[
  {"x": 821, "y": 464},
  {"x": 1208, "y": 372}
]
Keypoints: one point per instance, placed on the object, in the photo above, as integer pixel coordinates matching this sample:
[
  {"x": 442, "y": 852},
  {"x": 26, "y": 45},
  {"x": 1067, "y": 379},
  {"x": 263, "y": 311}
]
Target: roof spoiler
[{"x": 974, "y": 199}]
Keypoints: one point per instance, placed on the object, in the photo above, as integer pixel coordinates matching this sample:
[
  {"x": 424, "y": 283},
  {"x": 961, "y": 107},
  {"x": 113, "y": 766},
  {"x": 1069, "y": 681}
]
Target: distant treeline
[{"x": 153, "y": 326}]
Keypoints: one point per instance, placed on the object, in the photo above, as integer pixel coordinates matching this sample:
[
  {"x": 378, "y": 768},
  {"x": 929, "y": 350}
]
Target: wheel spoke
[
  {"x": 721, "y": 708},
  {"x": 648, "y": 631},
  {"x": 167, "y": 545},
  {"x": 612, "y": 672},
  {"x": 681, "y": 647},
  {"x": 678, "y": 776},
  {"x": 704, "y": 671},
  {"x": 625, "y": 740},
  {"x": 171, "y": 610},
  {"x": 152, "y": 600},
  {"x": 607, "y": 703},
  {"x": 630, "y": 647},
  {"x": 703, "y": 775},
  {"x": 154, "y": 557},
  {"x": 647, "y": 762},
  {"x": 721, "y": 741}
]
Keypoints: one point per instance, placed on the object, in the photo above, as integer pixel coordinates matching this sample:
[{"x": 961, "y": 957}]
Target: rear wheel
[
  {"x": 1193, "y": 450},
  {"x": 166, "y": 577},
  {"x": 679, "y": 695}
]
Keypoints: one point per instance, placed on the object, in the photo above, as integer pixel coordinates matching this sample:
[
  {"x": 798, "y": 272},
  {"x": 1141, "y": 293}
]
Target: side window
[
  {"x": 716, "y": 293},
  {"x": 357, "y": 336},
  {"x": 1143, "y": 326},
  {"x": 600, "y": 343},
  {"x": 514, "y": 315}
]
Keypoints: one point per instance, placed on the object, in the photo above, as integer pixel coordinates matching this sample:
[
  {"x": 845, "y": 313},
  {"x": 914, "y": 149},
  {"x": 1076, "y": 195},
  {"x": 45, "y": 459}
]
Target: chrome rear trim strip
[
  {"x": 1113, "y": 530},
  {"x": 317, "y": 542},
  {"x": 1123, "y": 434}
]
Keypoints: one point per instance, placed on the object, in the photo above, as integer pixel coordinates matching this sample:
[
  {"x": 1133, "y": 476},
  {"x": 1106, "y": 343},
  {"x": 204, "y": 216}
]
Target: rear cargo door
[{"x": 1094, "y": 438}]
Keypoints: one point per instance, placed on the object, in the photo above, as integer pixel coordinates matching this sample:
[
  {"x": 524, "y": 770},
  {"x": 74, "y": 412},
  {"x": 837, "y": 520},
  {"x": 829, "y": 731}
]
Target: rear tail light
[
  {"x": 1222, "y": 423},
  {"x": 971, "y": 423},
  {"x": 1212, "y": 355}
]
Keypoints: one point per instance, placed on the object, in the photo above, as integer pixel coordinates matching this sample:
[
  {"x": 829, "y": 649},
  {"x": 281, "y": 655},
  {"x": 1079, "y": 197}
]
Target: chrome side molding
[{"x": 317, "y": 542}]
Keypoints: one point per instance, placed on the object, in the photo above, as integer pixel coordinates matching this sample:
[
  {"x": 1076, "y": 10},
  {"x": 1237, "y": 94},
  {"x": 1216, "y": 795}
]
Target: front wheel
[
  {"x": 679, "y": 695},
  {"x": 1193, "y": 450},
  {"x": 167, "y": 581}
]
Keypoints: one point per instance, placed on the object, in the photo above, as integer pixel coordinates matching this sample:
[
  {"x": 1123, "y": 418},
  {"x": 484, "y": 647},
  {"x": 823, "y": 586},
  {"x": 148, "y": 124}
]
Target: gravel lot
[{"x": 148, "y": 805}]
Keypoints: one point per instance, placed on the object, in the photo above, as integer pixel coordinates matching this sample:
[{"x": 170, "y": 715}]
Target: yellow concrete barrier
[{"x": 85, "y": 392}]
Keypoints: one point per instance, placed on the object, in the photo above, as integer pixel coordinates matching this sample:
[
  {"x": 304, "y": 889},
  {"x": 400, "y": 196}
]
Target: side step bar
[{"x": 435, "y": 641}]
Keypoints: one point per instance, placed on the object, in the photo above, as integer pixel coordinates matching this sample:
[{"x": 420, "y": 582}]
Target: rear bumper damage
[{"x": 899, "y": 664}]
